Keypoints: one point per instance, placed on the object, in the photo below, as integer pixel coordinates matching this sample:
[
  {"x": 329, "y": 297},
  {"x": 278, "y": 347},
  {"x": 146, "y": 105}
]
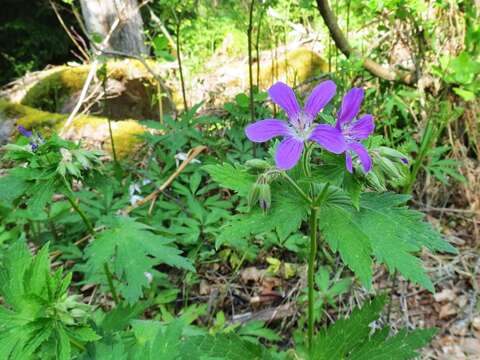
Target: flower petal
[
  {"x": 288, "y": 153},
  {"x": 362, "y": 128},
  {"x": 284, "y": 97},
  {"x": 348, "y": 162},
  {"x": 320, "y": 96},
  {"x": 329, "y": 137},
  {"x": 362, "y": 153},
  {"x": 264, "y": 130},
  {"x": 24, "y": 131},
  {"x": 350, "y": 106}
]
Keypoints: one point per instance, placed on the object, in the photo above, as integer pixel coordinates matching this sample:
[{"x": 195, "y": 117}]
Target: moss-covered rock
[
  {"x": 132, "y": 91},
  {"x": 92, "y": 130},
  {"x": 225, "y": 78},
  {"x": 294, "y": 68}
]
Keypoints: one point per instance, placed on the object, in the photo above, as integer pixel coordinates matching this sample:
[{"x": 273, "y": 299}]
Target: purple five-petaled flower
[
  {"x": 355, "y": 131},
  {"x": 300, "y": 126},
  {"x": 24, "y": 131},
  {"x": 36, "y": 140}
]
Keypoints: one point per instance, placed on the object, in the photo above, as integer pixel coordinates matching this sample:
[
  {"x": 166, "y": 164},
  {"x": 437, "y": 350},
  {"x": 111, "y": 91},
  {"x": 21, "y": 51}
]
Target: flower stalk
[
  {"x": 312, "y": 258},
  {"x": 91, "y": 230},
  {"x": 311, "y": 273}
]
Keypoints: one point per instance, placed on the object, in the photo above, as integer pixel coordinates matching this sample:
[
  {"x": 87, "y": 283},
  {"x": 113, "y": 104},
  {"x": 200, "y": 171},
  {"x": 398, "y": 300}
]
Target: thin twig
[
  {"x": 70, "y": 35},
  {"x": 192, "y": 154}
]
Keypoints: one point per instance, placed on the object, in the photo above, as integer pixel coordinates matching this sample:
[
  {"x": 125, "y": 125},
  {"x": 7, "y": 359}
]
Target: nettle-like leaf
[
  {"x": 285, "y": 216},
  {"x": 383, "y": 227},
  {"x": 130, "y": 249},
  {"x": 353, "y": 339},
  {"x": 39, "y": 318},
  {"x": 231, "y": 177},
  {"x": 157, "y": 341}
]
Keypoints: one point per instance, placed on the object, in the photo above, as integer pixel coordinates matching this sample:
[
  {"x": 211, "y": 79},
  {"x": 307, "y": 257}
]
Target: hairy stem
[
  {"x": 179, "y": 58},
  {"x": 311, "y": 273},
  {"x": 79, "y": 211},
  {"x": 297, "y": 188},
  {"x": 89, "y": 226},
  {"x": 108, "y": 274},
  {"x": 105, "y": 104}
]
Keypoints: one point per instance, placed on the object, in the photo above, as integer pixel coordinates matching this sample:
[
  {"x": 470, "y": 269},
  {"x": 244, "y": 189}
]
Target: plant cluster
[{"x": 128, "y": 267}]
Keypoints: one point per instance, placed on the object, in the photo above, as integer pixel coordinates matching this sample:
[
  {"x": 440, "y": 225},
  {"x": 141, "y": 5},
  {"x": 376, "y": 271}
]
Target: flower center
[
  {"x": 347, "y": 134},
  {"x": 302, "y": 126}
]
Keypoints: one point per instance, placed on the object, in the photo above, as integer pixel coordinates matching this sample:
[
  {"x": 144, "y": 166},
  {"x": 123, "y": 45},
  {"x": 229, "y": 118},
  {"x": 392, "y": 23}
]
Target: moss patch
[
  {"x": 134, "y": 91},
  {"x": 296, "y": 67},
  {"x": 92, "y": 130}
]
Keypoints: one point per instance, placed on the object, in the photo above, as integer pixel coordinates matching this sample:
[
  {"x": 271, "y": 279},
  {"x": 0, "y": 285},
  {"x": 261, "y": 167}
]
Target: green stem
[
  {"x": 179, "y": 59},
  {"x": 322, "y": 195},
  {"x": 110, "y": 283},
  {"x": 79, "y": 211},
  {"x": 91, "y": 230},
  {"x": 311, "y": 273},
  {"x": 105, "y": 104},
  {"x": 297, "y": 188}
]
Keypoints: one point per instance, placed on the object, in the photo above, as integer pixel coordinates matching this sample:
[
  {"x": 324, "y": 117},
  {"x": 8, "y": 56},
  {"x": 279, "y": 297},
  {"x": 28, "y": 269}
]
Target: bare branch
[{"x": 341, "y": 42}]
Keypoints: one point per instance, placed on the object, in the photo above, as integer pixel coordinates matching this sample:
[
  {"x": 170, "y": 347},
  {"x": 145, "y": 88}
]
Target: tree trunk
[{"x": 99, "y": 16}]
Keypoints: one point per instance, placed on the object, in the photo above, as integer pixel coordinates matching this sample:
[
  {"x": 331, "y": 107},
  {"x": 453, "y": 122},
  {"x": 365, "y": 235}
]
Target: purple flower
[
  {"x": 24, "y": 131},
  {"x": 354, "y": 131},
  {"x": 36, "y": 139},
  {"x": 300, "y": 127}
]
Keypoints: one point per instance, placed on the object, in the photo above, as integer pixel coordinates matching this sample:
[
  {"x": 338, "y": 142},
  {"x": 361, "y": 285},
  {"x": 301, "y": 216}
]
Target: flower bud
[
  {"x": 264, "y": 196},
  {"x": 253, "y": 194},
  {"x": 257, "y": 164}
]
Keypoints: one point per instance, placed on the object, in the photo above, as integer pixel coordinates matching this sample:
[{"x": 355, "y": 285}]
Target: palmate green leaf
[
  {"x": 38, "y": 316},
  {"x": 130, "y": 250},
  {"x": 12, "y": 186},
  {"x": 157, "y": 341},
  {"x": 382, "y": 228},
  {"x": 230, "y": 177},
  {"x": 352, "y": 338},
  {"x": 285, "y": 216},
  {"x": 399, "y": 347}
]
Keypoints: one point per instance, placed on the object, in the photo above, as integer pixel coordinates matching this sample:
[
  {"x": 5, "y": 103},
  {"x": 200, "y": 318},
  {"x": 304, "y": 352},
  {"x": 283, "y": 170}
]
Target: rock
[
  {"x": 294, "y": 68},
  {"x": 225, "y": 77},
  {"x": 131, "y": 90}
]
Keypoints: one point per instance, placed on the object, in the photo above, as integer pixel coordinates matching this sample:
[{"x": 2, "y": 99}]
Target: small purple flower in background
[
  {"x": 354, "y": 131},
  {"x": 300, "y": 127},
  {"x": 36, "y": 140},
  {"x": 24, "y": 131}
]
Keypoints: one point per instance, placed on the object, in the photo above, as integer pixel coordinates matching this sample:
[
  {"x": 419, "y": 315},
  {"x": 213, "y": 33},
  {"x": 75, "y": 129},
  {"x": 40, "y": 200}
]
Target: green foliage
[
  {"x": 329, "y": 289},
  {"x": 39, "y": 319},
  {"x": 132, "y": 250},
  {"x": 353, "y": 338},
  {"x": 168, "y": 342},
  {"x": 230, "y": 177},
  {"x": 382, "y": 228}
]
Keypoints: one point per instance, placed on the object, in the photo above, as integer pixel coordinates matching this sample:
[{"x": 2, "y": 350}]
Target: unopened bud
[
  {"x": 253, "y": 194},
  {"x": 257, "y": 164},
  {"x": 264, "y": 197}
]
